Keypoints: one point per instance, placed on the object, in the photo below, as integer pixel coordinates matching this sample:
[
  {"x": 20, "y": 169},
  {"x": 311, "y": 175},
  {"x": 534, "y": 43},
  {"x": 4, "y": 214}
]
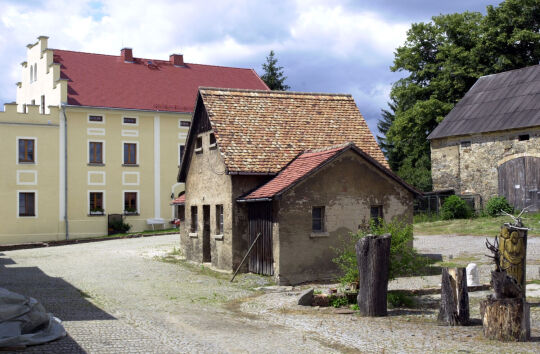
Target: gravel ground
[{"x": 116, "y": 297}]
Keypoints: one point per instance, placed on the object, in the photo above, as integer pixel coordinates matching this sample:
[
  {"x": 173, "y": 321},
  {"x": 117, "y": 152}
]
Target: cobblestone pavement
[{"x": 115, "y": 297}]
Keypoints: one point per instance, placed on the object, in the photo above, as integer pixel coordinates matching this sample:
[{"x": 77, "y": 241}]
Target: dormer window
[{"x": 198, "y": 145}]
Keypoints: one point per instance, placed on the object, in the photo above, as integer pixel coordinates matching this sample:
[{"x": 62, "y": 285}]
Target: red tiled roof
[
  {"x": 180, "y": 200},
  {"x": 262, "y": 131},
  {"x": 99, "y": 80},
  {"x": 296, "y": 170}
]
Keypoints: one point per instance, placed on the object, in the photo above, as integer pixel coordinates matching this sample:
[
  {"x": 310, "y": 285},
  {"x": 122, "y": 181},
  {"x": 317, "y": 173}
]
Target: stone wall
[
  {"x": 468, "y": 164},
  {"x": 347, "y": 188}
]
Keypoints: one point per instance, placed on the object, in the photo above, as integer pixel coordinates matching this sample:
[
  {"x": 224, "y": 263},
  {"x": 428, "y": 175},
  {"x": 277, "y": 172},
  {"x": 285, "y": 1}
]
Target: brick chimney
[
  {"x": 127, "y": 54},
  {"x": 177, "y": 59}
]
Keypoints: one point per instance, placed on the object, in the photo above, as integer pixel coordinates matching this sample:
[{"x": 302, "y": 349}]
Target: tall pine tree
[{"x": 273, "y": 74}]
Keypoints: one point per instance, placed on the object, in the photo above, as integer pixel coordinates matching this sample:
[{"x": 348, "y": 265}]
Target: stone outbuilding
[
  {"x": 294, "y": 171},
  {"x": 489, "y": 144}
]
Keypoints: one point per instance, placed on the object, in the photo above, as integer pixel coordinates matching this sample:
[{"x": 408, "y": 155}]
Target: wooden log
[
  {"x": 454, "y": 309},
  {"x": 373, "y": 257},
  {"x": 506, "y": 319}
]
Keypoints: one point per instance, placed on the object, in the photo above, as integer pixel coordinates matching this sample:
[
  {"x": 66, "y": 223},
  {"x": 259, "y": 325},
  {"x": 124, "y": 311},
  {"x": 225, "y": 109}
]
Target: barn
[{"x": 489, "y": 144}]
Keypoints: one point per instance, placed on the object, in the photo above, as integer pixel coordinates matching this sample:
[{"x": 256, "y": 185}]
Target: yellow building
[{"x": 92, "y": 135}]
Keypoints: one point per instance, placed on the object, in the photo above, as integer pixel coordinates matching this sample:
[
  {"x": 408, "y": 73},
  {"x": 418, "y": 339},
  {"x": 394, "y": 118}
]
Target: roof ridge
[
  {"x": 329, "y": 148},
  {"x": 509, "y": 71},
  {"x": 156, "y": 60},
  {"x": 276, "y": 92}
]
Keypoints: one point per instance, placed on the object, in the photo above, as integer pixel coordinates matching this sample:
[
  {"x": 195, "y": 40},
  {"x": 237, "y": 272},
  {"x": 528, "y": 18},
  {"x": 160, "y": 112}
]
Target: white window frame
[
  {"x": 35, "y": 203},
  {"x": 136, "y": 124},
  {"x": 95, "y": 114},
  {"x": 35, "y": 150},
  {"x": 102, "y": 150},
  {"x": 88, "y": 201},
  {"x": 180, "y": 120},
  {"x": 124, "y": 200},
  {"x": 136, "y": 151}
]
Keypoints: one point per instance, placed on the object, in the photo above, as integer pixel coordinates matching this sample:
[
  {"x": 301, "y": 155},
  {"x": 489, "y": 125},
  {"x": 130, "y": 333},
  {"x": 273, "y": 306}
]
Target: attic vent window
[
  {"x": 130, "y": 120},
  {"x": 198, "y": 145},
  {"x": 523, "y": 137},
  {"x": 212, "y": 140},
  {"x": 465, "y": 144},
  {"x": 185, "y": 123},
  {"x": 95, "y": 118}
]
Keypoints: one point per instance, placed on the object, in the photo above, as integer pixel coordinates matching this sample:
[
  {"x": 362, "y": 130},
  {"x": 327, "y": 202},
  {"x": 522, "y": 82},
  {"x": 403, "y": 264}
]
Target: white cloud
[{"x": 216, "y": 32}]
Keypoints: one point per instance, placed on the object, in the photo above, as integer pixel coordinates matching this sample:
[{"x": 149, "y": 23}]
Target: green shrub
[
  {"x": 338, "y": 301},
  {"x": 404, "y": 260},
  {"x": 119, "y": 226},
  {"x": 399, "y": 299},
  {"x": 455, "y": 208},
  {"x": 496, "y": 205}
]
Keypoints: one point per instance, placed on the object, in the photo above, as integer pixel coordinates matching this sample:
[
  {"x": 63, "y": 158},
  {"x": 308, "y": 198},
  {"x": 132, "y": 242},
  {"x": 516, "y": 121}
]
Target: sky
[{"x": 338, "y": 46}]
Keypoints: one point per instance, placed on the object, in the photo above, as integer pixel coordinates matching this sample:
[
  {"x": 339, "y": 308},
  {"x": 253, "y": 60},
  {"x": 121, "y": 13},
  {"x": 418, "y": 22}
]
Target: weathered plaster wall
[
  {"x": 347, "y": 188},
  {"x": 207, "y": 184},
  {"x": 473, "y": 169}
]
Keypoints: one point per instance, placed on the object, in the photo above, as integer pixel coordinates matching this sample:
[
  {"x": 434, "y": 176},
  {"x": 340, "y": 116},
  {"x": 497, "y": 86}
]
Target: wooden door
[
  {"x": 519, "y": 182},
  {"x": 261, "y": 260}
]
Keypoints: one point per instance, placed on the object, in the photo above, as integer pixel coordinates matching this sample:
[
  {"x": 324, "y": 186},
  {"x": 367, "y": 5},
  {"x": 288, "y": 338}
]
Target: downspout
[{"x": 65, "y": 172}]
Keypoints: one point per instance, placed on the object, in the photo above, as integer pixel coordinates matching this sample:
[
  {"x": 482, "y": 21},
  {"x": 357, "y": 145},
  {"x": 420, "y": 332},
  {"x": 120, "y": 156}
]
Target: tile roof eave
[
  {"x": 349, "y": 146},
  {"x": 123, "y": 109}
]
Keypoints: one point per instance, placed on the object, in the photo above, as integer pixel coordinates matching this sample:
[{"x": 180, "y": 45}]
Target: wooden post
[
  {"x": 506, "y": 314},
  {"x": 373, "y": 257},
  {"x": 454, "y": 309},
  {"x": 506, "y": 319}
]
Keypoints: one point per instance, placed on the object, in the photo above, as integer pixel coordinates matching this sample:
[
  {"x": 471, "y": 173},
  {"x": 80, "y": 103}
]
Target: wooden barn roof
[{"x": 508, "y": 100}]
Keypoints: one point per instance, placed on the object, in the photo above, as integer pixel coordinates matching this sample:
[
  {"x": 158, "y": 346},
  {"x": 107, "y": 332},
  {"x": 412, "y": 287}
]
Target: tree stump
[
  {"x": 506, "y": 319},
  {"x": 454, "y": 309},
  {"x": 373, "y": 257}
]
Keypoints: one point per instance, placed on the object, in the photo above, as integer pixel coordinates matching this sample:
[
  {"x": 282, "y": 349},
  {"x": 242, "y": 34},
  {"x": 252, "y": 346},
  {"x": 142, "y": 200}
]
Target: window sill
[
  {"x": 213, "y": 146},
  {"x": 95, "y": 164},
  {"x": 132, "y": 214},
  {"x": 218, "y": 237},
  {"x": 130, "y": 165},
  {"x": 26, "y": 162},
  {"x": 198, "y": 150},
  {"x": 27, "y": 216},
  {"x": 193, "y": 235},
  {"x": 319, "y": 234},
  {"x": 96, "y": 214}
]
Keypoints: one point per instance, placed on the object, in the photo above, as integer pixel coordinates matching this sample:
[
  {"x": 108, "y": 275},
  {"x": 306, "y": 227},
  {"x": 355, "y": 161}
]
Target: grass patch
[
  {"x": 146, "y": 232},
  {"x": 399, "y": 299},
  {"x": 480, "y": 226}
]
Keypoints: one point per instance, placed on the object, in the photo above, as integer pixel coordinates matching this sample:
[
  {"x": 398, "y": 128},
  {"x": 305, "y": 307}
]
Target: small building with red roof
[{"x": 286, "y": 173}]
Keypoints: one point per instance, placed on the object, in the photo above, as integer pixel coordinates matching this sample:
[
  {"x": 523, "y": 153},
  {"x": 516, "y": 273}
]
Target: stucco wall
[
  {"x": 39, "y": 177},
  {"x": 473, "y": 169},
  {"x": 347, "y": 188},
  {"x": 207, "y": 184}
]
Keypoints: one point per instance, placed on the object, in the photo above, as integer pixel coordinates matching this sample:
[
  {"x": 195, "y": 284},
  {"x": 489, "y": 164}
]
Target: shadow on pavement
[{"x": 58, "y": 297}]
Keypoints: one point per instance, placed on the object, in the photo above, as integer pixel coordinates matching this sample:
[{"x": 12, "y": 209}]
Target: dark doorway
[
  {"x": 261, "y": 260},
  {"x": 207, "y": 253},
  {"x": 519, "y": 182}
]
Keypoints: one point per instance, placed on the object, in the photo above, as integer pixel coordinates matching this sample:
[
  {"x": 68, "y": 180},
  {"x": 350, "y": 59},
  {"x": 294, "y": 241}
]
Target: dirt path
[{"x": 115, "y": 297}]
